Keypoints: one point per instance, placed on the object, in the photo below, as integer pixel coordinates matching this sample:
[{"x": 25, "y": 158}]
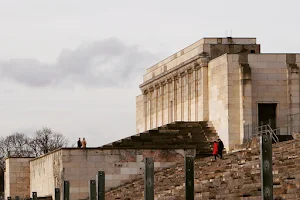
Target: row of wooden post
[{"x": 98, "y": 193}]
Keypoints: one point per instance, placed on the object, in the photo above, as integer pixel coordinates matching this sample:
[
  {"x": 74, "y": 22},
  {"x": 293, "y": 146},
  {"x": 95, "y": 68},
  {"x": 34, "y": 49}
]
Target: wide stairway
[
  {"x": 235, "y": 177},
  {"x": 199, "y": 135}
]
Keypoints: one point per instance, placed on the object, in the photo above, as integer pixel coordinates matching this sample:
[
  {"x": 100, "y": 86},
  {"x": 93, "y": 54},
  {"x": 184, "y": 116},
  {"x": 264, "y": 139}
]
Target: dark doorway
[{"x": 267, "y": 114}]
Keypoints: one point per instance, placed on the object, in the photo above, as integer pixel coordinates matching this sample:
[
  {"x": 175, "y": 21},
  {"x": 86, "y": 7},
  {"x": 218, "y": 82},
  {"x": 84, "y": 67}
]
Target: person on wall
[
  {"x": 220, "y": 148},
  {"x": 79, "y": 144},
  {"x": 215, "y": 149},
  {"x": 83, "y": 143}
]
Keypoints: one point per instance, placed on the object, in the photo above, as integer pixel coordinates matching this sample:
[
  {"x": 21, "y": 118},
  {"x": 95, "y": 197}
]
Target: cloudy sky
[{"x": 75, "y": 65}]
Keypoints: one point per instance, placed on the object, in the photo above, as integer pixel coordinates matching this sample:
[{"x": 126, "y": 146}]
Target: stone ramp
[
  {"x": 236, "y": 177},
  {"x": 198, "y": 135}
]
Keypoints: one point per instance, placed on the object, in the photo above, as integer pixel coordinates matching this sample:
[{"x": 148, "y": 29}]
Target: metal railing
[{"x": 266, "y": 129}]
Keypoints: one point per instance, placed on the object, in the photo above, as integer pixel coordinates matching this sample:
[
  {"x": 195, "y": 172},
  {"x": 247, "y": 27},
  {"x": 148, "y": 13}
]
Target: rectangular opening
[{"x": 267, "y": 114}]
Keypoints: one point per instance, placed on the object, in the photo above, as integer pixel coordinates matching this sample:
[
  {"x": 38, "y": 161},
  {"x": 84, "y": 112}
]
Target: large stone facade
[{"x": 222, "y": 80}]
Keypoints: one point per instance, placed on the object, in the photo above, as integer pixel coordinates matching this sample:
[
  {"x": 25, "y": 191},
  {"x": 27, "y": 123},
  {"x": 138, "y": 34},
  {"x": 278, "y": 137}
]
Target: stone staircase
[
  {"x": 199, "y": 135},
  {"x": 235, "y": 177}
]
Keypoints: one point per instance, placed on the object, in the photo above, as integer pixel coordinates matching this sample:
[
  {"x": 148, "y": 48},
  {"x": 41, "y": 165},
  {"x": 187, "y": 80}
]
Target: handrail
[{"x": 266, "y": 129}]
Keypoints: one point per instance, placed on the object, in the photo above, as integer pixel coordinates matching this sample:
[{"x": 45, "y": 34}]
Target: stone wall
[
  {"x": 261, "y": 78},
  {"x": 203, "y": 45},
  {"x": 17, "y": 177},
  {"x": 46, "y": 173},
  {"x": 218, "y": 97},
  {"x": 269, "y": 81},
  {"x": 79, "y": 166}
]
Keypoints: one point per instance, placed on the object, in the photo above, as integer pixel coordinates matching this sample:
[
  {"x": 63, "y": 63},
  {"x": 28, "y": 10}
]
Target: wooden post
[
  {"x": 66, "y": 190},
  {"x": 34, "y": 196},
  {"x": 149, "y": 179},
  {"x": 101, "y": 185},
  {"x": 92, "y": 190},
  {"x": 57, "y": 194},
  {"x": 266, "y": 167},
  {"x": 189, "y": 178}
]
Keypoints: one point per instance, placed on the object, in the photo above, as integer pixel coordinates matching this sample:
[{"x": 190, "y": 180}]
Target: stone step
[{"x": 236, "y": 177}]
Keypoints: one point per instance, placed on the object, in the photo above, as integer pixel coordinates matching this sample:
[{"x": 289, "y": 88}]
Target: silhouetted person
[
  {"x": 79, "y": 144},
  {"x": 83, "y": 143},
  {"x": 220, "y": 148},
  {"x": 215, "y": 149}
]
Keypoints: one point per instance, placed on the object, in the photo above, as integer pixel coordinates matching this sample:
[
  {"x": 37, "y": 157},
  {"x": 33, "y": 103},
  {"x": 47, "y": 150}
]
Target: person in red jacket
[{"x": 215, "y": 149}]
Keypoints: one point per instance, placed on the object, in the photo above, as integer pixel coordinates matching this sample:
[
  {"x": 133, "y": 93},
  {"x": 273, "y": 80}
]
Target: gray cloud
[{"x": 105, "y": 63}]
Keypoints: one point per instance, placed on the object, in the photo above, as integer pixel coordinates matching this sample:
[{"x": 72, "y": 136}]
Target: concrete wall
[
  {"x": 120, "y": 166},
  {"x": 218, "y": 97},
  {"x": 46, "y": 173},
  {"x": 17, "y": 177},
  {"x": 79, "y": 166}
]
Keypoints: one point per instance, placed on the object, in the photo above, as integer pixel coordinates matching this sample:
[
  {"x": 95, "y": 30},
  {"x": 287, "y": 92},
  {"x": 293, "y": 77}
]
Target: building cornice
[{"x": 194, "y": 63}]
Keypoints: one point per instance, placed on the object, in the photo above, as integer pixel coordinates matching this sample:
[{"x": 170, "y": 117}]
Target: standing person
[
  {"x": 79, "y": 144},
  {"x": 220, "y": 148},
  {"x": 215, "y": 149},
  {"x": 83, "y": 143}
]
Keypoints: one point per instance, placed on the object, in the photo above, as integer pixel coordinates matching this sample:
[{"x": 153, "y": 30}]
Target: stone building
[{"x": 226, "y": 81}]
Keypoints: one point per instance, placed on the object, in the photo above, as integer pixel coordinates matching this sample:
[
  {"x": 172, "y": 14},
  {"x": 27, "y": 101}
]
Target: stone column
[
  {"x": 151, "y": 112},
  {"x": 203, "y": 84},
  {"x": 156, "y": 90},
  {"x": 189, "y": 97},
  {"x": 293, "y": 91},
  {"x": 185, "y": 96},
  {"x": 174, "y": 78},
  {"x": 145, "y": 109},
  {"x": 162, "y": 101},
  {"x": 195, "y": 75},
  {"x": 245, "y": 97},
  {"x": 181, "y": 92},
  {"x": 167, "y": 102}
]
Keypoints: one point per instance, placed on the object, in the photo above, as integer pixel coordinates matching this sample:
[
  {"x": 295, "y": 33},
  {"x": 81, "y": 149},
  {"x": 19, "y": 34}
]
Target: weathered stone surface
[{"x": 235, "y": 177}]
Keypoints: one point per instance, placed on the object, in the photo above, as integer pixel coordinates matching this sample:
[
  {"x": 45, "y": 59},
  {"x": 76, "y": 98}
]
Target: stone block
[
  {"x": 252, "y": 58},
  {"x": 267, "y": 58},
  {"x": 281, "y": 58}
]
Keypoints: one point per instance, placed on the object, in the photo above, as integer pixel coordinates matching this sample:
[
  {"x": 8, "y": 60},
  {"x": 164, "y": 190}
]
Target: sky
[{"x": 75, "y": 66}]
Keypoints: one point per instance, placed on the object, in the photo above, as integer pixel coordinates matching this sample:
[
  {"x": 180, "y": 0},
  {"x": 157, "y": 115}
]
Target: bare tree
[
  {"x": 16, "y": 144},
  {"x": 46, "y": 140},
  {"x": 19, "y": 145}
]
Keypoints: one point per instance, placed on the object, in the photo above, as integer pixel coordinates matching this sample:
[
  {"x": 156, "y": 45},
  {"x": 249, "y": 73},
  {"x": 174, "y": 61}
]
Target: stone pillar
[
  {"x": 245, "y": 97},
  {"x": 156, "y": 90},
  {"x": 145, "y": 109},
  {"x": 195, "y": 92},
  {"x": 152, "y": 107},
  {"x": 181, "y": 89},
  {"x": 203, "y": 84},
  {"x": 170, "y": 100},
  {"x": 189, "y": 97},
  {"x": 185, "y": 97},
  {"x": 162, "y": 93},
  {"x": 293, "y": 90},
  {"x": 175, "y": 97}
]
